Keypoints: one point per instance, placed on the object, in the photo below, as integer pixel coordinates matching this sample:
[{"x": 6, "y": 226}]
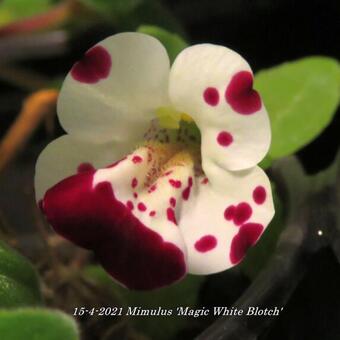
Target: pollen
[{"x": 167, "y": 156}]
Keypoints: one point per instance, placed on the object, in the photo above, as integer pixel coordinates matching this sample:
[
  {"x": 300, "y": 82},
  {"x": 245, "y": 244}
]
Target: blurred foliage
[
  {"x": 12, "y": 10},
  {"x": 129, "y": 14},
  {"x": 115, "y": 8},
  {"x": 36, "y": 324},
  {"x": 301, "y": 98},
  {"x": 19, "y": 285},
  {"x": 184, "y": 293},
  {"x": 121, "y": 14},
  {"x": 173, "y": 43}
]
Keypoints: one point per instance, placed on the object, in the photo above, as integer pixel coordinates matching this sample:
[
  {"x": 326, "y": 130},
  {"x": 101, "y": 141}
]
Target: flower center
[
  {"x": 166, "y": 156},
  {"x": 174, "y": 140}
]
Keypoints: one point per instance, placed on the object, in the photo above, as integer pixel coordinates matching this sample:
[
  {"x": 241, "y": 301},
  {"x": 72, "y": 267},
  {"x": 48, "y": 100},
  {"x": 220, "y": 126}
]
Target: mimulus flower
[{"x": 157, "y": 172}]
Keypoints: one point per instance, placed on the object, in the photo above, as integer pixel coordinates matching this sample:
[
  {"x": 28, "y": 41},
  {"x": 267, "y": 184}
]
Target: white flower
[{"x": 190, "y": 198}]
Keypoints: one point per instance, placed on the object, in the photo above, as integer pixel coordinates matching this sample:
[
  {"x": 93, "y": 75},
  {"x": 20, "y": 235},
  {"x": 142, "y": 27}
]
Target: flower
[{"x": 188, "y": 197}]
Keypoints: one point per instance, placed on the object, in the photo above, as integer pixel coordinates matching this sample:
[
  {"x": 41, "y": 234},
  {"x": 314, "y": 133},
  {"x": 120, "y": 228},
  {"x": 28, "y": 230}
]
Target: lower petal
[
  {"x": 223, "y": 222},
  {"x": 126, "y": 218}
]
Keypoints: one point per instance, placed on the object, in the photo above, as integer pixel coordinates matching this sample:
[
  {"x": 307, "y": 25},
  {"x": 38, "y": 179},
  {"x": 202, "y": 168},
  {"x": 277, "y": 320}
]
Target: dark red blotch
[
  {"x": 246, "y": 237},
  {"x": 94, "y": 66},
  {"x": 94, "y": 219},
  {"x": 206, "y": 243},
  {"x": 240, "y": 94},
  {"x": 239, "y": 214},
  {"x": 259, "y": 194}
]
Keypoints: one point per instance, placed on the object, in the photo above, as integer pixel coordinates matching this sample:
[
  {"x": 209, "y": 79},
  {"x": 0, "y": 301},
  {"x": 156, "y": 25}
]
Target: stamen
[{"x": 166, "y": 156}]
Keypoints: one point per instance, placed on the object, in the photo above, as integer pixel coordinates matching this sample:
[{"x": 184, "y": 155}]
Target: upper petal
[
  {"x": 214, "y": 85},
  {"x": 112, "y": 93},
  {"x": 67, "y": 155}
]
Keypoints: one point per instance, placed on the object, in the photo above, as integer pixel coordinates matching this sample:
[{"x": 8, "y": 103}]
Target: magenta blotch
[
  {"x": 94, "y": 66},
  {"x": 240, "y": 94}
]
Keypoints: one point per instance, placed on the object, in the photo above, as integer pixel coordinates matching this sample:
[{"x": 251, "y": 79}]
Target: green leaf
[
  {"x": 173, "y": 43},
  {"x": 301, "y": 98},
  {"x": 37, "y": 324},
  {"x": 266, "y": 162},
  {"x": 183, "y": 293},
  {"x": 11, "y": 10},
  {"x": 19, "y": 284}
]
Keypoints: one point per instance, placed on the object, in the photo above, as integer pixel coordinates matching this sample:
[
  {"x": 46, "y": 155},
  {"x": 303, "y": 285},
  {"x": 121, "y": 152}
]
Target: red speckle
[
  {"x": 175, "y": 183},
  {"x": 224, "y": 138},
  {"x": 259, "y": 194},
  {"x": 137, "y": 159},
  {"x": 205, "y": 181},
  {"x": 229, "y": 213},
  {"x": 152, "y": 188},
  {"x": 240, "y": 94},
  {"x": 95, "y": 65},
  {"x": 246, "y": 237},
  {"x": 190, "y": 181},
  {"x": 171, "y": 215},
  {"x": 172, "y": 202},
  {"x": 186, "y": 191},
  {"x": 134, "y": 182},
  {"x": 239, "y": 214},
  {"x": 135, "y": 195},
  {"x": 206, "y": 243},
  {"x": 211, "y": 96},
  {"x": 152, "y": 213},
  {"x": 93, "y": 218},
  {"x": 116, "y": 163},
  {"x": 129, "y": 204},
  {"x": 168, "y": 173},
  {"x": 141, "y": 206},
  {"x": 85, "y": 167}
]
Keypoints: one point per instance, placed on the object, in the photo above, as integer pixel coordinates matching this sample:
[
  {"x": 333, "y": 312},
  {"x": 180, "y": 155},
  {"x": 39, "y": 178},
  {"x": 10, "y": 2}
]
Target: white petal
[
  {"x": 113, "y": 94},
  {"x": 62, "y": 157},
  {"x": 222, "y": 221},
  {"x": 213, "y": 84}
]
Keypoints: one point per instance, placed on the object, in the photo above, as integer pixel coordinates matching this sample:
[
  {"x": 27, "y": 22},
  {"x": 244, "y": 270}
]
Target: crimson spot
[
  {"x": 259, "y": 194},
  {"x": 240, "y": 94},
  {"x": 175, "y": 183},
  {"x": 246, "y": 237},
  {"x": 211, "y": 96},
  {"x": 206, "y": 243},
  {"x": 171, "y": 215},
  {"x": 238, "y": 214},
  {"x": 172, "y": 201},
  {"x": 224, "y": 138},
  {"x": 141, "y": 206},
  {"x": 94, "y": 66},
  {"x": 137, "y": 159},
  {"x": 134, "y": 182}
]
